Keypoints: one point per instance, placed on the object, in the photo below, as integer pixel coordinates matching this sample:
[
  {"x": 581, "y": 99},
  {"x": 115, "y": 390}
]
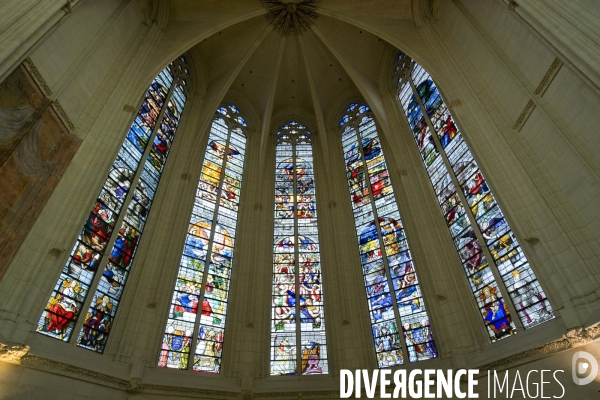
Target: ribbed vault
[{"x": 339, "y": 55}]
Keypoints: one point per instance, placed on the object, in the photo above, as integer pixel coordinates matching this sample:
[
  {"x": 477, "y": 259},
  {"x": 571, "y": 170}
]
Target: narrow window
[
  {"x": 199, "y": 305},
  {"x": 139, "y": 166},
  {"x": 492, "y": 258},
  {"x": 393, "y": 290},
  {"x": 296, "y": 348}
]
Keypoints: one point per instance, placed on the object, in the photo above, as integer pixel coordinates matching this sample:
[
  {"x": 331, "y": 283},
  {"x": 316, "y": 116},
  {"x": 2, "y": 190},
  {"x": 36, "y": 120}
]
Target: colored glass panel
[
  {"x": 100, "y": 315},
  {"x": 426, "y": 111},
  {"x": 108, "y": 226},
  {"x": 200, "y": 297},
  {"x": 298, "y": 339},
  {"x": 392, "y": 287}
]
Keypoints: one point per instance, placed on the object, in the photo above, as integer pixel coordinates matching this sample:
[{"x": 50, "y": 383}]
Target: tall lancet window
[
  {"x": 296, "y": 348},
  {"x": 137, "y": 165},
  {"x": 199, "y": 305},
  {"x": 492, "y": 258},
  {"x": 392, "y": 286}
]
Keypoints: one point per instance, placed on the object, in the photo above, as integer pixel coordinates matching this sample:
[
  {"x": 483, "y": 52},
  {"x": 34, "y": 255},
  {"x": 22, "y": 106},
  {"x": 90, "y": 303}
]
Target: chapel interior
[{"x": 298, "y": 204}]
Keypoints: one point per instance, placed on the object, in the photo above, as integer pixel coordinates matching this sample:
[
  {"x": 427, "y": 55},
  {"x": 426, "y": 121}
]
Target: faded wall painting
[{"x": 35, "y": 149}]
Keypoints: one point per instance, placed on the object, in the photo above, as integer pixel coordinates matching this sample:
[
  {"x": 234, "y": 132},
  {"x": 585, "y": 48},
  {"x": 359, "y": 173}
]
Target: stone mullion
[
  {"x": 381, "y": 244},
  {"x": 296, "y": 260},
  {"x": 463, "y": 199},
  {"x": 211, "y": 238},
  {"x": 122, "y": 213}
]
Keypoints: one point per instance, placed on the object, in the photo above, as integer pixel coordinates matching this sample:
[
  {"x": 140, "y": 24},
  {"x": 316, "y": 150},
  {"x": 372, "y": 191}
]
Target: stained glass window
[
  {"x": 392, "y": 287},
  {"x": 492, "y": 258},
  {"x": 139, "y": 166},
  {"x": 199, "y": 305},
  {"x": 296, "y": 348}
]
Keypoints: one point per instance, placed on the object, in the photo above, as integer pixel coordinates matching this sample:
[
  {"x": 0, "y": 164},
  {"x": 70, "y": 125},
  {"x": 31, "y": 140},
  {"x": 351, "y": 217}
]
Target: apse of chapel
[
  {"x": 537, "y": 153},
  {"x": 333, "y": 34}
]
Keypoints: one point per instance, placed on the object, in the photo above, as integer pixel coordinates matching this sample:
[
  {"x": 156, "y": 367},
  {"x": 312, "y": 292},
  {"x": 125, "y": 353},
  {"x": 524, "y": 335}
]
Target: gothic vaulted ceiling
[{"x": 337, "y": 58}]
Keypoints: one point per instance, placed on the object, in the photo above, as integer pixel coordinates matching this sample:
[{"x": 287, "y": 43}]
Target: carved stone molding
[
  {"x": 13, "y": 353},
  {"x": 188, "y": 391},
  {"x": 37, "y": 77},
  {"x": 135, "y": 385},
  {"x": 63, "y": 116},
  {"x": 19, "y": 354},
  {"x": 549, "y": 77},
  {"x": 290, "y": 18},
  {"x": 41, "y": 363},
  {"x": 425, "y": 11},
  {"x": 68, "y": 7},
  {"x": 147, "y": 9},
  {"x": 45, "y": 89},
  {"x": 434, "y": 7},
  {"x": 529, "y": 107},
  {"x": 129, "y": 108},
  {"x": 573, "y": 338}
]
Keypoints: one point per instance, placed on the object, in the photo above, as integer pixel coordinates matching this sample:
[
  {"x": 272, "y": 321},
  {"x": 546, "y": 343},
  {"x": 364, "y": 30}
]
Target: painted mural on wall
[{"x": 35, "y": 149}]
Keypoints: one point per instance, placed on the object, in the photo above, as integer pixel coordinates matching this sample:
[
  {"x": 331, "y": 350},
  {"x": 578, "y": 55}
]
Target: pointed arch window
[
  {"x": 137, "y": 165},
  {"x": 391, "y": 283},
  {"x": 198, "y": 312},
  {"x": 296, "y": 348},
  {"x": 493, "y": 260}
]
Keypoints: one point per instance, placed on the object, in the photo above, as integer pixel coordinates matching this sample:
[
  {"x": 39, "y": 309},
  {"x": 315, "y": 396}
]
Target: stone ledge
[
  {"x": 573, "y": 338},
  {"x": 19, "y": 354}
]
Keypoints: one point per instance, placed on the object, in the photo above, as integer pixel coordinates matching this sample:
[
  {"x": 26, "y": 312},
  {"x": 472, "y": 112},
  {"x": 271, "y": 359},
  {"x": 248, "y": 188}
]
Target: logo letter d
[{"x": 582, "y": 368}]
